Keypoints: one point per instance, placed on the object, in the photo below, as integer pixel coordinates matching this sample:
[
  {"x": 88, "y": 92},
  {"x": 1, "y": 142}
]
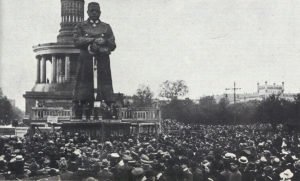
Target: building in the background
[
  {"x": 263, "y": 91},
  {"x": 266, "y": 89}
]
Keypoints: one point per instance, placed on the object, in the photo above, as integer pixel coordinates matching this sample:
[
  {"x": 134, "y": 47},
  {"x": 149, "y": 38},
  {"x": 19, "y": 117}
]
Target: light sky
[{"x": 208, "y": 43}]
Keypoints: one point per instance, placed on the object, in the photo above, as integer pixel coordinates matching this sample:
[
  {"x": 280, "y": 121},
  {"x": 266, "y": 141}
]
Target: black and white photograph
[{"x": 150, "y": 90}]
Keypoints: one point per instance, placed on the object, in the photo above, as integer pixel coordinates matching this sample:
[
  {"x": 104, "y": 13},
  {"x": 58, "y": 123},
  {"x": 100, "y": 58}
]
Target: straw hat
[
  {"x": 115, "y": 155},
  {"x": 276, "y": 160},
  {"x": 137, "y": 171},
  {"x": 263, "y": 159},
  {"x": 19, "y": 158},
  {"x": 145, "y": 159},
  {"x": 108, "y": 143},
  {"x": 243, "y": 160},
  {"x": 127, "y": 158},
  {"x": 77, "y": 152},
  {"x": 287, "y": 174},
  {"x": 229, "y": 156}
]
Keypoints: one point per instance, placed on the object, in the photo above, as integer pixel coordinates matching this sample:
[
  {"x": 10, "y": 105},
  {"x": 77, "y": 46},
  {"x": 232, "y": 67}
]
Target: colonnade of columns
[{"x": 60, "y": 68}]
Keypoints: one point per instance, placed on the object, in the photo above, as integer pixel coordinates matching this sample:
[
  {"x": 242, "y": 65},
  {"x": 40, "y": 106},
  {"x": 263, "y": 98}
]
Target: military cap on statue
[{"x": 93, "y": 4}]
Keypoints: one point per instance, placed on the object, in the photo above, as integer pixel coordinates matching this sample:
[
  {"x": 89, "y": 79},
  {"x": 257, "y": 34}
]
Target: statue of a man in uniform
[{"x": 96, "y": 41}]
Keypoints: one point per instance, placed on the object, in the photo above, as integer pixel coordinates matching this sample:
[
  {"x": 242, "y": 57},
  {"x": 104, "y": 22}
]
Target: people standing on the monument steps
[{"x": 95, "y": 40}]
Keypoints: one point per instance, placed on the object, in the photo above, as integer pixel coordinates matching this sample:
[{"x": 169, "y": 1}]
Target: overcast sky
[{"x": 208, "y": 43}]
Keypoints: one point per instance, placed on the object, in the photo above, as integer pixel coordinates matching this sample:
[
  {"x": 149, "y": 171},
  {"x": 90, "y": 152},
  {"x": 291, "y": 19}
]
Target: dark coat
[{"x": 84, "y": 35}]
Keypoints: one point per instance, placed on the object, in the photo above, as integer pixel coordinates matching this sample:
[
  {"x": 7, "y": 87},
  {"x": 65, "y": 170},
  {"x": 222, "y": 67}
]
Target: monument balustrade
[
  {"x": 140, "y": 114},
  {"x": 41, "y": 113}
]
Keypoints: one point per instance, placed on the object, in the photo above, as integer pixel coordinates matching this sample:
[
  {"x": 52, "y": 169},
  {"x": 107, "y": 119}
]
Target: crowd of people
[{"x": 183, "y": 153}]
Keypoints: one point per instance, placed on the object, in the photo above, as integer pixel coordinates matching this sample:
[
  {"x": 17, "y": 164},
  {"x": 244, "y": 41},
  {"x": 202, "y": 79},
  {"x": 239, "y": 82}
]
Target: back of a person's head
[
  {"x": 226, "y": 165},
  {"x": 91, "y": 179}
]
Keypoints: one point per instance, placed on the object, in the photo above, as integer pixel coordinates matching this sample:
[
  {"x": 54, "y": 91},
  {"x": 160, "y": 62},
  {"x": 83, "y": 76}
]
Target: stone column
[
  {"x": 59, "y": 72},
  {"x": 43, "y": 69},
  {"x": 38, "y": 71},
  {"x": 57, "y": 69},
  {"x": 67, "y": 68},
  {"x": 54, "y": 69}
]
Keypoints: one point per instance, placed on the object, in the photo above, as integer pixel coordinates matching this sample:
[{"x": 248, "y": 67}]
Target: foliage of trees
[
  {"x": 173, "y": 89},
  {"x": 7, "y": 111},
  {"x": 143, "y": 97},
  {"x": 270, "y": 110}
]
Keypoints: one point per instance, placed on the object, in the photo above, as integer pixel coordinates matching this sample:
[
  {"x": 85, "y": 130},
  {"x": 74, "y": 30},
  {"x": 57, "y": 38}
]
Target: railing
[
  {"x": 146, "y": 114},
  {"x": 41, "y": 113}
]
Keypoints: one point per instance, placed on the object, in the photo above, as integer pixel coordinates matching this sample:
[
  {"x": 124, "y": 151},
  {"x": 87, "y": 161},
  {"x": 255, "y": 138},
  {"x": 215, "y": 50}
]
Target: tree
[
  {"x": 271, "y": 110},
  {"x": 292, "y": 112},
  {"x": 173, "y": 89},
  {"x": 7, "y": 111},
  {"x": 244, "y": 112},
  {"x": 207, "y": 110},
  {"x": 181, "y": 110},
  {"x": 223, "y": 113},
  {"x": 297, "y": 107},
  {"x": 143, "y": 97}
]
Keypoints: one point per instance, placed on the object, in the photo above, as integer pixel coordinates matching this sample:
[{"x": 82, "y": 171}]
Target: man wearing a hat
[
  {"x": 286, "y": 175},
  {"x": 33, "y": 167},
  {"x": 95, "y": 39},
  {"x": 125, "y": 169},
  {"x": 236, "y": 174},
  {"x": 267, "y": 174},
  {"x": 19, "y": 165},
  {"x": 243, "y": 161},
  {"x": 297, "y": 170},
  {"x": 3, "y": 165},
  {"x": 225, "y": 174},
  {"x": 105, "y": 173},
  {"x": 138, "y": 174}
]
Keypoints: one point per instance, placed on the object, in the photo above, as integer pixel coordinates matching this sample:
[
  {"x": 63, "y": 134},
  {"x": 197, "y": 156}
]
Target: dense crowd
[{"x": 183, "y": 153}]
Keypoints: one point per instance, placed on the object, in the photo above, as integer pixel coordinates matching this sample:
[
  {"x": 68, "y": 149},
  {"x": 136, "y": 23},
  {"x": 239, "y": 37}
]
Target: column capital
[{"x": 39, "y": 57}]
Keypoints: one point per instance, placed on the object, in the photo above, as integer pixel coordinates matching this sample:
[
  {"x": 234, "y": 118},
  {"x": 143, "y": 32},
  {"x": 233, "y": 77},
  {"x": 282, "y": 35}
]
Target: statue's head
[{"x": 94, "y": 10}]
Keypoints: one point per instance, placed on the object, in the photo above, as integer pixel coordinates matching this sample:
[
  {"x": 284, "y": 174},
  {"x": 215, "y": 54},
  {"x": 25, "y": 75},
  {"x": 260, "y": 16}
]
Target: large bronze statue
[{"x": 96, "y": 41}]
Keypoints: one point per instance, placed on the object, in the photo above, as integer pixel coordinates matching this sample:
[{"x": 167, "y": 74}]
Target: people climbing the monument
[{"x": 201, "y": 152}]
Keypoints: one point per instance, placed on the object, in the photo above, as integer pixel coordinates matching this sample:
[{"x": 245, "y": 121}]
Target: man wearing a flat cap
[{"x": 95, "y": 40}]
